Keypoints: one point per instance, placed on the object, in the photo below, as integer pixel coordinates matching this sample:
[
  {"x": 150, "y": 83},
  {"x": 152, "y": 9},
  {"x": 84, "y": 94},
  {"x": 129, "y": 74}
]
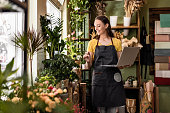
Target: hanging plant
[{"x": 77, "y": 14}]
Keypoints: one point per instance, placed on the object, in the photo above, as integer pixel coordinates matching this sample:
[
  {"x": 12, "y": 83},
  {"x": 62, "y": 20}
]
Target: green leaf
[{"x": 8, "y": 68}]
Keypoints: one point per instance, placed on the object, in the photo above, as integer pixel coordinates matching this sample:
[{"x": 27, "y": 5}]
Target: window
[
  {"x": 11, "y": 23},
  {"x": 52, "y": 10}
]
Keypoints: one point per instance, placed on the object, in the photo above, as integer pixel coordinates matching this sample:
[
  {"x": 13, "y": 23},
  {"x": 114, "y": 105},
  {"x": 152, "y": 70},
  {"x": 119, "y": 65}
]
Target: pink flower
[
  {"x": 73, "y": 38},
  {"x": 61, "y": 100},
  {"x": 73, "y": 33},
  {"x": 55, "y": 93},
  {"x": 149, "y": 111},
  {"x": 54, "y": 89},
  {"x": 41, "y": 84},
  {"x": 46, "y": 82},
  {"x": 65, "y": 103}
]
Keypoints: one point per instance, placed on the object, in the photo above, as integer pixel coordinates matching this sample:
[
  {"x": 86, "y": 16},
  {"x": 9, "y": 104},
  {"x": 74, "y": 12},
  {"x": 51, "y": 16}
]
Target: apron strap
[
  {"x": 112, "y": 42},
  {"x": 98, "y": 41}
]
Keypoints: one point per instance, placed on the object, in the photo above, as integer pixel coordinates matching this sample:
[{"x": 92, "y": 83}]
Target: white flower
[
  {"x": 76, "y": 8},
  {"x": 65, "y": 90},
  {"x": 80, "y": 33}
]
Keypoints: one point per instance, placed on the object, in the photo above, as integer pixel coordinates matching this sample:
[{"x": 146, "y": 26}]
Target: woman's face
[{"x": 100, "y": 27}]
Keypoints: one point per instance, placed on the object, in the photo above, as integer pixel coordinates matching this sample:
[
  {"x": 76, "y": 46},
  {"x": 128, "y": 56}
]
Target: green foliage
[
  {"x": 77, "y": 13},
  {"x": 73, "y": 46},
  {"x": 51, "y": 79},
  {"x": 4, "y": 76},
  {"x": 51, "y": 29},
  {"x": 60, "y": 67},
  {"x": 10, "y": 107},
  {"x": 31, "y": 42}
]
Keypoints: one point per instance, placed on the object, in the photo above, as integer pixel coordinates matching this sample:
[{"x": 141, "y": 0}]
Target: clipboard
[{"x": 127, "y": 57}]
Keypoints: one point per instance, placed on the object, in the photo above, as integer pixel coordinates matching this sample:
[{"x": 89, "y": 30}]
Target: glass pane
[
  {"x": 52, "y": 10},
  {"x": 61, "y": 1},
  {"x": 11, "y": 23}
]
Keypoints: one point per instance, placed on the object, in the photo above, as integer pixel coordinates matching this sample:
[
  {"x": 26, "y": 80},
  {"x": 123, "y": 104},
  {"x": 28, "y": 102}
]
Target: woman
[{"x": 107, "y": 86}]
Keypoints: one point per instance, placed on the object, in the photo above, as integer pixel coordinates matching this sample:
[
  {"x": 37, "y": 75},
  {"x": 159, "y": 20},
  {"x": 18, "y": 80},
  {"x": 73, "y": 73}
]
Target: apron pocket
[{"x": 117, "y": 77}]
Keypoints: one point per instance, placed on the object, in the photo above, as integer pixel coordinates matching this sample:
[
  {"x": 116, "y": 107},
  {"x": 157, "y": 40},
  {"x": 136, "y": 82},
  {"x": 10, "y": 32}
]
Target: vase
[
  {"x": 126, "y": 23},
  {"x": 113, "y": 21}
]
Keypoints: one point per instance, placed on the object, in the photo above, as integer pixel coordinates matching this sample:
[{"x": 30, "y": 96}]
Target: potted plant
[
  {"x": 130, "y": 6},
  {"x": 31, "y": 42},
  {"x": 61, "y": 67},
  {"x": 51, "y": 29}
]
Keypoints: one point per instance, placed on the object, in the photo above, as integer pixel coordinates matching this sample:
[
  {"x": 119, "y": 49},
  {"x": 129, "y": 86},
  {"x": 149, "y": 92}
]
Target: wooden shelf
[{"x": 125, "y": 27}]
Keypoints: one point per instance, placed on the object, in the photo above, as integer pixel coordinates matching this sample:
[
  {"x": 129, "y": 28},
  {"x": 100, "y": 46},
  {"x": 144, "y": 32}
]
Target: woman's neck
[{"x": 104, "y": 37}]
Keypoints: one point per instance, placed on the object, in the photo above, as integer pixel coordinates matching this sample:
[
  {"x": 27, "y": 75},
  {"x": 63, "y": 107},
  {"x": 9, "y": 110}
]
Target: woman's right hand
[{"x": 87, "y": 57}]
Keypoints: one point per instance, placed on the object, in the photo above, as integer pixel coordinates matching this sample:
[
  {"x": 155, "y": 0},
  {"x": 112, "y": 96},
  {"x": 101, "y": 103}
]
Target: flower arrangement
[
  {"x": 118, "y": 35},
  {"x": 133, "y": 42},
  {"x": 131, "y": 6},
  {"x": 74, "y": 43},
  {"x": 45, "y": 97}
]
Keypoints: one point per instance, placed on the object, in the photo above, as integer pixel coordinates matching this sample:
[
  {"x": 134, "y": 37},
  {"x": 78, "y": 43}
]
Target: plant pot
[
  {"x": 126, "y": 23},
  {"x": 113, "y": 21}
]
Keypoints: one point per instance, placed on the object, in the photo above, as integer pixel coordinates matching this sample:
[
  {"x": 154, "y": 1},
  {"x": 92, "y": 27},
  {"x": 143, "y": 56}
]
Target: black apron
[{"x": 107, "y": 85}]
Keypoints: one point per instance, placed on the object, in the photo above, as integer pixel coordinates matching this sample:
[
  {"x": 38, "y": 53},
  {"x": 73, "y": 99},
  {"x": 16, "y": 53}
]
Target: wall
[
  {"x": 164, "y": 91},
  {"x": 32, "y": 24},
  {"x": 35, "y": 9}
]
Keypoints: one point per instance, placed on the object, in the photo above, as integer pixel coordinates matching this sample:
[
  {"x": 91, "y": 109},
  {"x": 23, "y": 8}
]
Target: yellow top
[{"x": 92, "y": 45}]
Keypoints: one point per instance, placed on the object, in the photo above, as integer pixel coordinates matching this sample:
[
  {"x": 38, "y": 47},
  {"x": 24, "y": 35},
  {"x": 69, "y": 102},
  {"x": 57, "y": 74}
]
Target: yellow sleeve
[
  {"x": 92, "y": 45},
  {"x": 89, "y": 47},
  {"x": 118, "y": 44}
]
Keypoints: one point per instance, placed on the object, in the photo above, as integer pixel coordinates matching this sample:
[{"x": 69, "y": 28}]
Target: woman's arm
[{"x": 118, "y": 54}]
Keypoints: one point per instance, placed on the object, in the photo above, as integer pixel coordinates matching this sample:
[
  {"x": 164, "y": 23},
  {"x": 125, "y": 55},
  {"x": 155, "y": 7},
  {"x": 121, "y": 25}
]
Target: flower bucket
[
  {"x": 126, "y": 23},
  {"x": 113, "y": 21}
]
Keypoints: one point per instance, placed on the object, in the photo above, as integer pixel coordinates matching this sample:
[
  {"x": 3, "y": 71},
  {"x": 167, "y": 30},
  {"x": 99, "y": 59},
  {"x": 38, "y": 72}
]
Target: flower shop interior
[{"x": 42, "y": 43}]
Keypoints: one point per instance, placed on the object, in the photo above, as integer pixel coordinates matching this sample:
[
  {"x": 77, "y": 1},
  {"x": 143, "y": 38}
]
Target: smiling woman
[{"x": 107, "y": 86}]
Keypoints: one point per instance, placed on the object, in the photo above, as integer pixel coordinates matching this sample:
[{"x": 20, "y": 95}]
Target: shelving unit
[
  {"x": 134, "y": 92},
  {"x": 125, "y": 27}
]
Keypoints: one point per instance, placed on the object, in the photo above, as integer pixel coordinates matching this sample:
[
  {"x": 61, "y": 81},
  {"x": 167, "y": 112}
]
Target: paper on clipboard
[{"x": 127, "y": 57}]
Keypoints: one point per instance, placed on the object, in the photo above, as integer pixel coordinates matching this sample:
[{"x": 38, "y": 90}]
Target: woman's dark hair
[{"x": 105, "y": 21}]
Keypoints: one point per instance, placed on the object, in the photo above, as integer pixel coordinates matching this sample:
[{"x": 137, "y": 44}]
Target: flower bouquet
[{"x": 131, "y": 6}]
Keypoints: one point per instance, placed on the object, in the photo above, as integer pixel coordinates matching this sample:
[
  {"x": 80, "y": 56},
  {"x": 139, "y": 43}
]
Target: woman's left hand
[{"x": 121, "y": 67}]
